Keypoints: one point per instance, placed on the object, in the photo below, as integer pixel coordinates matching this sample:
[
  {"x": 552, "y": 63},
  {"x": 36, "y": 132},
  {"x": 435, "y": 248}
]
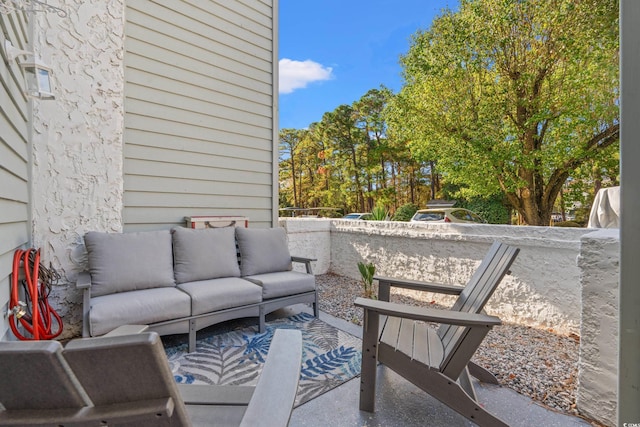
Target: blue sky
[{"x": 333, "y": 51}]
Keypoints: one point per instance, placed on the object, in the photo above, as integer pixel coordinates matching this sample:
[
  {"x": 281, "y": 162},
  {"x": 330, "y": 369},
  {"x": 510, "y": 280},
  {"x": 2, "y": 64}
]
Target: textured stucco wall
[
  {"x": 309, "y": 238},
  {"x": 543, "y": 290},
  {"x": 599, "y": 262},
  {"x": 77, "y": 138}
]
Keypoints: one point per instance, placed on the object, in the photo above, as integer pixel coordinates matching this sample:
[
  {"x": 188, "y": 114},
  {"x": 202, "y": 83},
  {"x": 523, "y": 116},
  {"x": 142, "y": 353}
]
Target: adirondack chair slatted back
[
  {"x": 475, "y": 295},
  {"x": 33, "y": 376},
  {"x": 125, "y": 368}
]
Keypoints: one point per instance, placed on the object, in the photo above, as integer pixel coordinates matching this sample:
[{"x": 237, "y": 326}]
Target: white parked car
[
  {"x": 357, "y": 215},
  {"x": 447, "y": 215}
]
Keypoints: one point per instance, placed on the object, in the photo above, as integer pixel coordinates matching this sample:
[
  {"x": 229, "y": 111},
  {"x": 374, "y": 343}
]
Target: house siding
[
  {"x": 14, "y": 158},
  {"x": 199, "y": 111}
]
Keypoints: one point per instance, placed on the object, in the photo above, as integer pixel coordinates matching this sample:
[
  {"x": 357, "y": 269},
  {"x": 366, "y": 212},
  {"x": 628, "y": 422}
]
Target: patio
[{"x": 82, "y": 163}]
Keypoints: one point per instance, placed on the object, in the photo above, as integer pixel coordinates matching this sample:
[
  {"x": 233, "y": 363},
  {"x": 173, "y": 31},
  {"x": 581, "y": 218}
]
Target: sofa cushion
[
  {"x": 205, "y": 253},
  {"x": 263, "y": 250},
  {"x": 283, "y": 283},
  {"x": 120, "y": 262},
  {"x": 137, "y": 308},
  {"x": 217, "y": 294}
]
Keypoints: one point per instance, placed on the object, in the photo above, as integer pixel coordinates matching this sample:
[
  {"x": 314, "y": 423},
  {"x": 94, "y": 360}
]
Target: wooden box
[{"x": 216, "y": 221}]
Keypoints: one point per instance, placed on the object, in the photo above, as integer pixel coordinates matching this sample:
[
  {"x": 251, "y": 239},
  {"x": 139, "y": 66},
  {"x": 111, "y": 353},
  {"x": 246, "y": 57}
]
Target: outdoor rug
[{"x": 235, "y": 357}]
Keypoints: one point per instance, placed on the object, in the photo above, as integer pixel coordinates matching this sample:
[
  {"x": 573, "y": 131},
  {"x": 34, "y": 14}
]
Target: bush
[
  {"x": 491, "y": 209},
  {"x": 567, "y": 224},
  {"x": 405, "y": 212}
]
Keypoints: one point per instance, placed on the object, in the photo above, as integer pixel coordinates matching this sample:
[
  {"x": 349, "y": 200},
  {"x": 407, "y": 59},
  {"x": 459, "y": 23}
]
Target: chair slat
[
  {"x": 476, "y": 294},
  {"x": 480, "y": 287},
  {"x": 405, "y": 337},
  {"x": 390, "y": 331},
  {"x": 421, "y": 348},
  {"x": 436, "y": 351},
  {"x": 427, "y": 347}
]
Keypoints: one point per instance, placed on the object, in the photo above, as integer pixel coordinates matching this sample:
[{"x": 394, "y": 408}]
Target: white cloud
[{"x": 298, "y": 74}]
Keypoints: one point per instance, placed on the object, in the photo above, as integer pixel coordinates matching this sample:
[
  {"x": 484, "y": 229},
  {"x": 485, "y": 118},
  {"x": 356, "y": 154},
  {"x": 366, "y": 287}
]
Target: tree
[
  {"x": 338, "y": 130},
  {"x": 513, "y": 96}
]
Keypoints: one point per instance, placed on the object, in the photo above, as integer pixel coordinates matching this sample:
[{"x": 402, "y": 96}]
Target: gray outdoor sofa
[{"x": 183, "y": 280}]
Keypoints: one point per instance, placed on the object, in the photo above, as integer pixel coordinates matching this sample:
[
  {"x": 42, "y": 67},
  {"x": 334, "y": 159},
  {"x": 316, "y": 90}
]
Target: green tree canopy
[{"x": 513, "y": 96}]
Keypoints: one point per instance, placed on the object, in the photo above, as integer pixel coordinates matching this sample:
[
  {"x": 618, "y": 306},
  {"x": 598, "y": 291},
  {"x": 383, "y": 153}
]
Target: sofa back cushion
[
  {"x": 121, "y": 262},
  {"x": 263, "y": 250},
  {"x": 205, "y": 253}
]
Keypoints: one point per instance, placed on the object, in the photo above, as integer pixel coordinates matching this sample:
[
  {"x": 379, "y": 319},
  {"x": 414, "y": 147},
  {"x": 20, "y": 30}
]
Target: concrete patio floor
[{"x": 400, "y": 403}]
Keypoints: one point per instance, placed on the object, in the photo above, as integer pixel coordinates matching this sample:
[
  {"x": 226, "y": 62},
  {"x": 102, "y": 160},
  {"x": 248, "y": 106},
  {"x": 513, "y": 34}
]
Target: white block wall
[{"x": 543, "y": 290}]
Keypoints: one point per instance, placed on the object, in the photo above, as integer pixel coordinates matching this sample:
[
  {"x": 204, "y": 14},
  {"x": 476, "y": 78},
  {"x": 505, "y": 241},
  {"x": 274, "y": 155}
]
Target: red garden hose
[{"x": 39, "y": 318}]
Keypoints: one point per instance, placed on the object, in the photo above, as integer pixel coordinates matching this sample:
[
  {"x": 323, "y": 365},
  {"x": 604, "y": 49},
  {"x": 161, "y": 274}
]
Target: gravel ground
[{"x": 533, "y": 362}]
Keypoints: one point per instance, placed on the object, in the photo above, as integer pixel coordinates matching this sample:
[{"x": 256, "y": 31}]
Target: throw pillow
[
  {"x": 204, "y": 253},
  {"x": 263, "y": 250},
  {"x": 120, "y": 262}
]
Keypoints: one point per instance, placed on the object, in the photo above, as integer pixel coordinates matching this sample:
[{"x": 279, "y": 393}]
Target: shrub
[
  {"x": 367, "y": 271},
  {"x": 379, "y": 213},
  {"x": 492, "y": 209},
  {"x": 405, "y": 212}
]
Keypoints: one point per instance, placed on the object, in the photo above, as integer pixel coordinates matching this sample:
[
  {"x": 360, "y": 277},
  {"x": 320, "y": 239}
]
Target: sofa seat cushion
[
  {"x": 263, "y": 250},
  {"x": 137, "y": 308},
  {"x": 217, "y": 294},
  {"x": 121, "y": 262},
  {"x": 205, "y": 253},
  {"x": 283, "y": 283}
]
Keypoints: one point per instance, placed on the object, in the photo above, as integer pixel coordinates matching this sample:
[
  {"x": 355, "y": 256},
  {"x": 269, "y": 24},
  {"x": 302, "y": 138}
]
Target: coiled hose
[{"x": 36, "y": 317}]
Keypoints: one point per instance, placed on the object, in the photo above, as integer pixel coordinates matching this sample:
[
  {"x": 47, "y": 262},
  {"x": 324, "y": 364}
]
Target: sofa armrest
[
  {"x": 306, "y": 261},
  {"x": 84, "y": 280}
]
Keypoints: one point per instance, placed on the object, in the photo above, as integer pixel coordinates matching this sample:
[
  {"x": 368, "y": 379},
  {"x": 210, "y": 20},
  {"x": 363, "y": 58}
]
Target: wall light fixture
[{"x": 37, "y": 74}]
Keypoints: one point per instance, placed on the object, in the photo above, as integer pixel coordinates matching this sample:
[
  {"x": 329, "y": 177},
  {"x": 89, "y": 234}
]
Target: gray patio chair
[
  {"x": 435, "y": 360},
  {"x": 126, "y": 381}
]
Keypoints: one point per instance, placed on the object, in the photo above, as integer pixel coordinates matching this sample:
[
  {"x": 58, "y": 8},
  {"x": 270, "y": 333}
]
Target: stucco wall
[
  {"x": 310, "y": 238},
  {"x": 543, "y": 290},
  {"x": 599, "y": 263},
  {"x": 77, "y": 138}
]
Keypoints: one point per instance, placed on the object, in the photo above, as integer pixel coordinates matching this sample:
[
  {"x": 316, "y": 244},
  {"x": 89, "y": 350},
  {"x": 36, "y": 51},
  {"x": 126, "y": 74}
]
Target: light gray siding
[
  {"x": 199, "y": 111},
  {"x": 14, "y": 158}
]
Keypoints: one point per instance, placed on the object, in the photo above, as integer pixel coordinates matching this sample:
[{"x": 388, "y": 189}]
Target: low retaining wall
[
  {"x": 564, "y": 279},
  {"x": 543, "y": 290}
]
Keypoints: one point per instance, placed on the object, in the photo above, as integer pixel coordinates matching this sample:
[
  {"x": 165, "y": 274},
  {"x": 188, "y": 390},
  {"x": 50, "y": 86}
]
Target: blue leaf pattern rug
[{"x": 329, "y": 356}]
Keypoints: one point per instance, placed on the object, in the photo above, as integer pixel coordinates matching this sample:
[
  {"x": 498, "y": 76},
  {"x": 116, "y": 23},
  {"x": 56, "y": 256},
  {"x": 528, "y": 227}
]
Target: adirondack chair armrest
[
  {"x": 448, "y": 317},
  {"x": 385, "y": 284},
  {"x": 275, "y": 393},
  {"x": 306, "y": 261}
]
